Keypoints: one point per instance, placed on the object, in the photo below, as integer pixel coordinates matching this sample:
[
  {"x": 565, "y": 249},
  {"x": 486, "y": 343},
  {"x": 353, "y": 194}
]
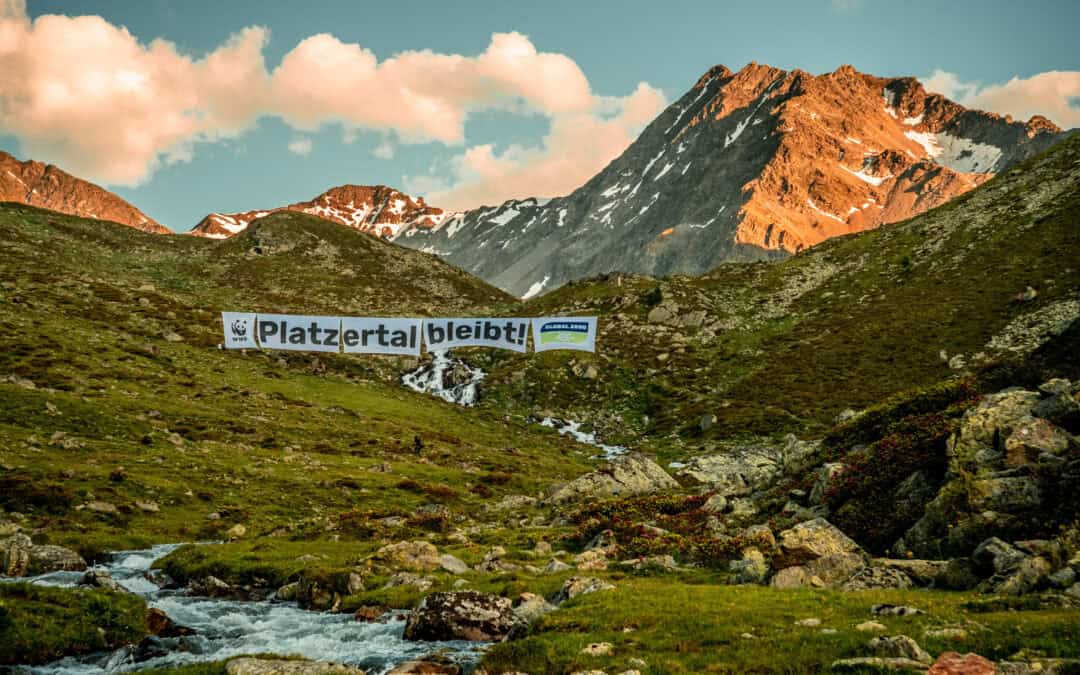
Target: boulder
[
  {"x": 995, "y": 556},
  {"x": 751, "y": 568},
  {"x": 1032, "y": 437},
  {"x": 556, "y": 566},
  {"x": 861, "y": 664},
  {"x": 461, "y": 615},
  {"x": 159, "y": 624},
  {"x": 1061, "y": 409},
  {"x": 415, "y": 556},
  {"x": 529, "y": 607},
  {"x": 899, "y": 646},
  {"x": 824, "y": 572},
  {"x": 978, "y": 441},
  {"x": 952, "y": 663},
  {"x": 575, "y": 586},
  {"x": 47, "y": 558},
  {"x": 921, "y": 572},
  {"x": 1029, "y": 575},
  {"x": 102, "y": 579},
  {"x": 871, "y": 578},
  {"x": 626, "y": 476},
  {"x": 736, "y": 473},
  {"x": 809, "y": 541},
  {"x": 827, "y": 478},
  {"x": 894, "y": 610},
  {"x": 255, "y": 666},
  {"x": 452, "y": 565},
  {"x": 15, "y": 555}
]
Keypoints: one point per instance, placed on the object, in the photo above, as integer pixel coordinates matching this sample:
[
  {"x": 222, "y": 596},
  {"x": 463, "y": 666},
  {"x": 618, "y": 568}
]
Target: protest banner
[
  {"x": 381, "y": 336},
  {"x": 576, "y": 332}
]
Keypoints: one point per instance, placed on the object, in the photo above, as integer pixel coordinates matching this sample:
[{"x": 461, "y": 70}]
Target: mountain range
[{"x": 751, "y": 165}]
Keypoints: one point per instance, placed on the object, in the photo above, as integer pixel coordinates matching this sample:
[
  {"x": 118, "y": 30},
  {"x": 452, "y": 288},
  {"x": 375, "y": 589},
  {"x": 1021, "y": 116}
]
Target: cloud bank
[
  {"x": 1054, "y": 94},
  {"x": 87, "y": 95}
]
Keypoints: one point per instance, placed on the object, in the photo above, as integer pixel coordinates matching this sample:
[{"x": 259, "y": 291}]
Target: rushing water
[
  {"x": 450, "y": 379},
  {"x": 226, "y": 628},
  {"x": 573, "y": 430}
]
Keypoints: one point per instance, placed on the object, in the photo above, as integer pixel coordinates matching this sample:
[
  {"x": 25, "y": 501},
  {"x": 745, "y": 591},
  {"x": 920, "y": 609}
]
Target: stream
[
  {"x": 227, "y": 628},
  {"x": 455, "y": 381}
]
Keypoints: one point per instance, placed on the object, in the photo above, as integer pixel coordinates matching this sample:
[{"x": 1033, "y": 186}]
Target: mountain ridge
[
  {"x": 760, "y": 187},
  {"x": 49, "y": 186}
]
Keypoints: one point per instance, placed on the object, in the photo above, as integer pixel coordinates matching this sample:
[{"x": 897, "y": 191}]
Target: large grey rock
[
  {"x": 626, "y": 476},
  {"x": 751, "y": 568},
  {"x": 828, "y": 571},
  {"x": 461, "y": 615},
  {"x": 1031, "y": 574},
  {"x": 575, "y": 586},
  {"x": 899, "y": 646},
  {"x": 743, "y": 470},
  {"x": 921, "y": 572},
  {"x": 415, "y": 556},
  {"x": 254, "y": 666},
  {"x": 48, "y": 558},
  {"x": 1062, "y": 409},
  {"x": 995, "y": 556},
  {"x": 1032, "y": 437},
  {"x": 809, "y": 541}
]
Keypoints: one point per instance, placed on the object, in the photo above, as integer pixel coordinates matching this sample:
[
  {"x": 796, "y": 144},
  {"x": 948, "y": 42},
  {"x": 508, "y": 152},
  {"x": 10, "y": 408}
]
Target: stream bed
[{"x": 227, "y": 628}]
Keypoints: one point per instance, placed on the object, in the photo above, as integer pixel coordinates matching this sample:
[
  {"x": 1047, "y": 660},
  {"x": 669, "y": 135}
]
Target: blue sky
[{"x": 243, "y": 161}]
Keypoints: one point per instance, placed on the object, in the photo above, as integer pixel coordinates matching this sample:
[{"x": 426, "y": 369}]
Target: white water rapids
[{"x": 227, "y": 628}]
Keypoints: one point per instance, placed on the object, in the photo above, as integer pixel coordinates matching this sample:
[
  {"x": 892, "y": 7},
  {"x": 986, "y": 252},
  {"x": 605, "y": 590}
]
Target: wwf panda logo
[{"x": 239, "y": 329}]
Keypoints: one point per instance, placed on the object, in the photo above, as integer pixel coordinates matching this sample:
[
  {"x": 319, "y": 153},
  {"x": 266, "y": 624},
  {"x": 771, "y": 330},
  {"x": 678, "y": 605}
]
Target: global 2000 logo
[
  {"x": 564, "y": 332},
  {"x": 239, "y": 329}
]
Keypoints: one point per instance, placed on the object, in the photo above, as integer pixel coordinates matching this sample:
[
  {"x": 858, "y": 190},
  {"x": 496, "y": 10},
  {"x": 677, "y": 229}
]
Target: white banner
[
  {"x": 381, "y": 336},
  {"x": 299, "y": 333},
  {"x": 239, "y": 330},
  {"x": 512, "y": 334},
  {"x": 572, "y": 332}
]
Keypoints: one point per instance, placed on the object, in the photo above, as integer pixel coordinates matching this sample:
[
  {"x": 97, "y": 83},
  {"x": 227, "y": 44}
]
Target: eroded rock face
[
  {"x": 630, "y": 475},
  {"x": 48, "y": 187},
  {"x": 462, "y": 615},
  {"x": 743, "y": 470}
]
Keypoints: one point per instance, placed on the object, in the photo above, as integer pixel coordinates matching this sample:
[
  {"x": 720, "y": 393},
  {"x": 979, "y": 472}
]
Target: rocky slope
[
  {"x": 49, "y": 187},
  {"x": 378, "y": 210},
  {"x": 749, "y": 165}
]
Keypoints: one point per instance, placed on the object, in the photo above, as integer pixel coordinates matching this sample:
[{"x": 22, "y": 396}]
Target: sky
[{"x": 186, "y": 108}]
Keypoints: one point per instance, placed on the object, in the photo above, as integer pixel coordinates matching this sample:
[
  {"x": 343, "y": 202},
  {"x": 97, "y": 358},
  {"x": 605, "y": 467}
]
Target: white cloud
[
  {"x": 578, "y": 145},
  {"x": 1052, "y": 94},
  {"x": 300, "y": 146},
  {"x": 89, "y": 96}
]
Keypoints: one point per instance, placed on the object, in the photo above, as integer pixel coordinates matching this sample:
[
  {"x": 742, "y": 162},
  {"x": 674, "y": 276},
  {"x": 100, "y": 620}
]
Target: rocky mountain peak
[
  {"x": 49, "y": 187},
  {"x": 375, "y": 209},
  {"x": 746, "y": 165}
]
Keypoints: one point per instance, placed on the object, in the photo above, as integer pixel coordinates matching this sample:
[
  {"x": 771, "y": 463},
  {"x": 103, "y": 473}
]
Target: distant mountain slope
[
  {"x": 49, "y": 187},
  {"x": 377, "y": 210},
  {"x": 286, "y": 262},
  {"x": 745, "y": 166}
]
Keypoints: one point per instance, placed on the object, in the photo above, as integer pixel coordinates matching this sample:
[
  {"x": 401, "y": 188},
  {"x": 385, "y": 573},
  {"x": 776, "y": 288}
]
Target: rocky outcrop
[
  {"x": 626, "y": 476},
  {"x": 815, "y": 553},
  {"x": 743, "y": 470},
  {"x": 48, "y": 187},
  {"x": 1004, "y": 461},
  {"x": 575, "y": 586},
  {"x": 463, "y": 615}
]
